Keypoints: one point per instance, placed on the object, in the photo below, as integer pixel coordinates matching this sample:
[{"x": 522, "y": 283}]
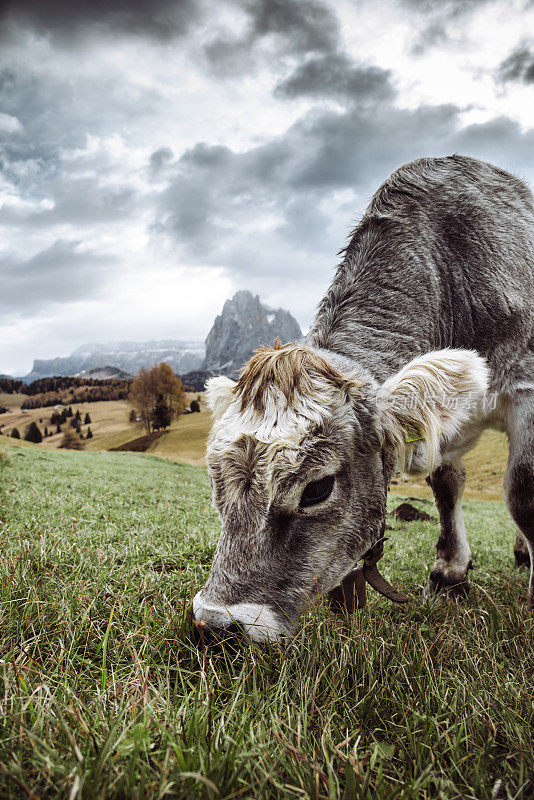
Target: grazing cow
[{"x": 424, "y": 338}]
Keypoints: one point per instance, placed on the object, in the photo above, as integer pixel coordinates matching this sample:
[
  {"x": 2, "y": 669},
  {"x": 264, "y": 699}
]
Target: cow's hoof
[
  {"x": 522, "y": 558},
  {"x": 451, "y": 586}
]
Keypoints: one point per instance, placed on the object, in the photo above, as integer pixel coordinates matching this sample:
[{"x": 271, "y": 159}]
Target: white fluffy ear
[
  {"x": 219, "y": 394},
  {"x": 430, "y": 398}
]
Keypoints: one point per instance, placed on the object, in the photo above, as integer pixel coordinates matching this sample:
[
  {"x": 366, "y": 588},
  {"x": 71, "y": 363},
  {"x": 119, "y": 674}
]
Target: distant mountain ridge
[
  {"x": 105, "y": 374},
  {"x": 182, "y": 356},
  {"x": 244, "y": 324}
]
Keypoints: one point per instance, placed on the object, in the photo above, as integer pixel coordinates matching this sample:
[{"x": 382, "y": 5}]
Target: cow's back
[{"x": 443, "y": 257}]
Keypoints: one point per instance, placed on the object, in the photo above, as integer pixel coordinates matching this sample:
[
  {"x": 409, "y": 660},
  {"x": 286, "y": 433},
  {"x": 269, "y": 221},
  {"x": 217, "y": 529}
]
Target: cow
[{"x": 424, "y": 339}]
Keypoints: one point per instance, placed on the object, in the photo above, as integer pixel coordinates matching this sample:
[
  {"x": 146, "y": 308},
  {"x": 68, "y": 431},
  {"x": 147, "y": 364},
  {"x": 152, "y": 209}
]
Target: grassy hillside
[
  {"x": 186, "y": 440},
  {"x": 109, "y": 421},
  {"x": 104, "y": 694},
  {"x": 11, "y": 400}
]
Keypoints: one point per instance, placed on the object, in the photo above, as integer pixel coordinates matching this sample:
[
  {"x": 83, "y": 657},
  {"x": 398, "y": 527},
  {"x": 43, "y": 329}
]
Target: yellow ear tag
[{"x": 412, "y": 434}]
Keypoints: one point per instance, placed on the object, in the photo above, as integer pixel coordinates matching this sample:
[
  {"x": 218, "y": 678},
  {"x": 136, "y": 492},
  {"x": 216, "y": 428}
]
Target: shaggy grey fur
[{"x": 442, "y": 258}]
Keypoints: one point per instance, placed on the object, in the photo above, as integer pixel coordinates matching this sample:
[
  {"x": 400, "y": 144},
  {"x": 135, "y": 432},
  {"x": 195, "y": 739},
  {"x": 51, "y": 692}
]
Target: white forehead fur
[{"x": 278, "y": 423}]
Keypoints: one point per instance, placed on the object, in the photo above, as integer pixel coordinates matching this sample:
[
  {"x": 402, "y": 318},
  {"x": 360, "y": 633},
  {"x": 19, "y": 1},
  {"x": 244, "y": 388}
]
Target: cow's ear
[
  {"x": 429, "y": 399},
  {"x": 219, "y": 394}
]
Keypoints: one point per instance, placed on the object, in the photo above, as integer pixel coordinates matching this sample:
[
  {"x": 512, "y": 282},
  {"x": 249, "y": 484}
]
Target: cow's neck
[
  {"x": 377, "y": 352},
  {"x": 373, "y": 323}
]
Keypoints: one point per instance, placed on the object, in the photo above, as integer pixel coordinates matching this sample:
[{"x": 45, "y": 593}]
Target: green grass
[{"x": 103, "y": 694}]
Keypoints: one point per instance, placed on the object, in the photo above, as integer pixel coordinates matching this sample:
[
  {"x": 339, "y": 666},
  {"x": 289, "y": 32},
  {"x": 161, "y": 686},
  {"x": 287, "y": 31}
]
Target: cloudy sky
[{"x": 156, "y": 156}]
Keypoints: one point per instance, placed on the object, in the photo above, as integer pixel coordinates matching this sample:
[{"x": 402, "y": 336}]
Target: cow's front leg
[{"x": 453, "y": 556}]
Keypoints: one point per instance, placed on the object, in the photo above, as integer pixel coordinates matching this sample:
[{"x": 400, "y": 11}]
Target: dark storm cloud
[
  {"x": 216, "y": 197},
  {"x": 306, "y": 33},
  {"x": 218, "y": 200},
  {"x": 296, "y": 27},
  {"x": 162, "y": 19},
  {"x": 60, "y": 273},
  {"x": 519, "y": 66},
  {"x": 48, "y": 156},
  {"x": 305, "y": 223},
  {"x": 78, "y": 201},
  {"x": 502, "y": 141},
  {"x": 337, "y": 76},
  {"x": 59, "y": 183},
  {"x": 309, "y": 25},
  {"x": 322, "y": 150},
  {"x": 57, "y": 112}
]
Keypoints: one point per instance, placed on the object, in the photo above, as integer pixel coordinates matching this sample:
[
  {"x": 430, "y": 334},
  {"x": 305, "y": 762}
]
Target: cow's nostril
[
  {"x": 206, "y": 634},
  {"x": 232, "y": 630}
]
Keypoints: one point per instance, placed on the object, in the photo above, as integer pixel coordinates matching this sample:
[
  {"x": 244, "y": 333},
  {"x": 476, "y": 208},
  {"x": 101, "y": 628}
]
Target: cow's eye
[{"x": 317, "y": 491}]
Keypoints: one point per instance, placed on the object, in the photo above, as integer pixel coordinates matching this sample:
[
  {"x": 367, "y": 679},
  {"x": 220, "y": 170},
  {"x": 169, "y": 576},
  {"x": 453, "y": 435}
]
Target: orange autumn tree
[{"x": 152, "y": 387}]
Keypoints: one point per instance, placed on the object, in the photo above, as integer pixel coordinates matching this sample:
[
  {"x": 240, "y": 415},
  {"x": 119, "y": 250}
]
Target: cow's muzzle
[{"x": 217, "y": 622}]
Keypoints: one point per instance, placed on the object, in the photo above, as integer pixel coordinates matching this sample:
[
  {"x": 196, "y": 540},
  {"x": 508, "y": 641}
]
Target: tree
[
  {"x": 58, "y": 429},
  {"x": 33, "y": 434},
  {"x": 143, "y": 395},
  {"x": 161, "y": 416},
  {"x": 68, "y": 413},
  {"x": 148, "y": 385},
  {"x": 87, "y": 420},
  {"x": 194, "y": 406},
  {"x": 89, "y": 434},
  {"x": 15, "y": 433},
  {"x": 46, "y": 431},
  {"x": 170, "y": 386},
  {"x": 133, "y": 416},
  {"x": 71, "y": 441}
]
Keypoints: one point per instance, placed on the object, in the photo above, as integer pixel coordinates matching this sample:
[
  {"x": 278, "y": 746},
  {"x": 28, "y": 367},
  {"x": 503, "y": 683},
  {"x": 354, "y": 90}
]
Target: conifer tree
[{"x": 33, "y": 434}]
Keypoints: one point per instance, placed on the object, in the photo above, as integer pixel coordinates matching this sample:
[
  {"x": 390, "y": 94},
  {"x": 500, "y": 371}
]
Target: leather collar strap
[
  {"x": 375, "y": 579},
  {"x": 352, "y": 591}
]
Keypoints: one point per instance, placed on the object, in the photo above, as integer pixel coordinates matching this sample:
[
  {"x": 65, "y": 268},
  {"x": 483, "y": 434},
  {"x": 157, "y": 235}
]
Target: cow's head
[{"x": 299, "y": 459}]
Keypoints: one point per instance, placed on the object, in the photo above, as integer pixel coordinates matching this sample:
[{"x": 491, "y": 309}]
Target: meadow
[
  {"x": 105, "y": 695},
  {"x": 184, "y": 441}
]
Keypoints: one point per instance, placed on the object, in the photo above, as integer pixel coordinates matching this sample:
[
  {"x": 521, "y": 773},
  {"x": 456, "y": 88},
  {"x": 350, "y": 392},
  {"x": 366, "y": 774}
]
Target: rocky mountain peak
[{"x": 244, "y": 324}]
